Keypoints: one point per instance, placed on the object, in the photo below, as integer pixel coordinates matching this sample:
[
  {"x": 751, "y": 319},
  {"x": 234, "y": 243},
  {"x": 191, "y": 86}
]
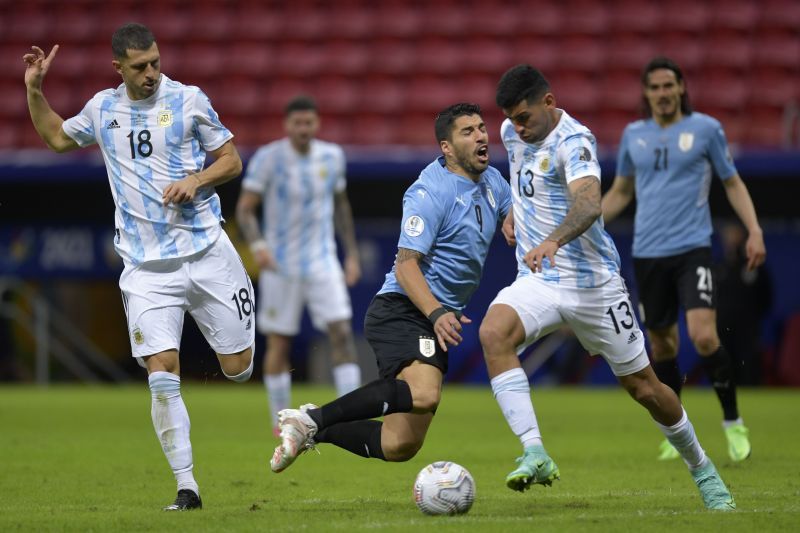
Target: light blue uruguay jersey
[
  {"x": 540, "y": 175},
  {"x": 451, "y": 220},
  {"x": 148, "y": 144},
  {"x": 298, "y": 200},
  {"x": 672, "y": 169}
]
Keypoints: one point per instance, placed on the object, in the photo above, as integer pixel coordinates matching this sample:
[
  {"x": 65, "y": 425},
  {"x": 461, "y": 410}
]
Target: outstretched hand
[
  {"x": 37, "y": 66},
  {"x": 448, "y": 329},
  {"x": 535, "y": 257}
]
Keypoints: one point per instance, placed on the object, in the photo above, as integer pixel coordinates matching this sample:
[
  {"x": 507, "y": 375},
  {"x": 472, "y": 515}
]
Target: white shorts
[
  {"x": 211, "y": 285},
  {"x": 282, "y": 299},
  {"x": 602, "y": 318}
]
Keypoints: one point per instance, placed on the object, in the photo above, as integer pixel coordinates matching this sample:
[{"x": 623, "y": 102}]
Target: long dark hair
[{"x": 659, "y": 63}]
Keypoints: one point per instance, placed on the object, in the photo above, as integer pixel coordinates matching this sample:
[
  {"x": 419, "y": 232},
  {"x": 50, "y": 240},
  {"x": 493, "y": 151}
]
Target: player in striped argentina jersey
[
  {"x": 569, "y": 275},
  {"x": 540, "y": 176},
  {"x": 300, "y": 181},
  {"x": 154, "y": 134}
]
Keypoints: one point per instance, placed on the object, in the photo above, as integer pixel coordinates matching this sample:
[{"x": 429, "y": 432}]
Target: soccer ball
[{"x": 444, "y": 487}]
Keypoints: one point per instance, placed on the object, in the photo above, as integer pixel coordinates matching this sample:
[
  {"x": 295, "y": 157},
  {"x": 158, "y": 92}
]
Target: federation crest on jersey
[
  {"x": 138, "y": 336},
  {"x": 490, "y": 197},
  {"x": 427, "y": 347},
  {"x": 544, "y": 164},
  {"x": 164, "y": 118},
  {"x": 414, "y": 226},
  {"x": 685, "y": 141},
  {"x": 323, "y": 173}
]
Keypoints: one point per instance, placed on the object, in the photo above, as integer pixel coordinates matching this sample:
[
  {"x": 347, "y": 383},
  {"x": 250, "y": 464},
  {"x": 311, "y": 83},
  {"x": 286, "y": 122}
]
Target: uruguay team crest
[
  {"x": 427, "y": 347},
  {"x": 685, "y": 141},
  {"x": 164, "y": 118}
]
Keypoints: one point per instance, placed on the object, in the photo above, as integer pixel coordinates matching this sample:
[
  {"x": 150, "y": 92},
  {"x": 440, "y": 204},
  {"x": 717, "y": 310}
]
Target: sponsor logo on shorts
[
  {"x": 414, "y": 226},
  {"x": 705, "y": 297},
  {"x": 248, "y": 325},
  {"x": 138, "y": 336},
  {"x": 427, "y": 346},
  {"x": 632, "y": 338}
]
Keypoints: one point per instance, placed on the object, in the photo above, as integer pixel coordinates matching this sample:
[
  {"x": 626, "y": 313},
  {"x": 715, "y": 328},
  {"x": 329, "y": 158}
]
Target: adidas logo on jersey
[
  {"x": 113, "y": 124},
  {"x": 632, "y": 337}
]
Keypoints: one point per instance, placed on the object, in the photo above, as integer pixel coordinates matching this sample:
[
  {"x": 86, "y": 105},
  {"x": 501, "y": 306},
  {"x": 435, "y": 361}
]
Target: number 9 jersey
[
  {"x": 540, "y": 176},
  {"x": 148, "y": 144}
]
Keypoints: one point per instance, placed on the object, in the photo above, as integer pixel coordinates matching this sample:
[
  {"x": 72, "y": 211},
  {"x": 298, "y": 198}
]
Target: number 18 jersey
[{"x": 146, "y": 145}]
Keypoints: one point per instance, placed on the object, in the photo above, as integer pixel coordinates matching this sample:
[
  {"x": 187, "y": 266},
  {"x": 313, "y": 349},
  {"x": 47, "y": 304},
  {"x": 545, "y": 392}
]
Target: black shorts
[
  {"x": 400, "y": 334},
  {"x": 664, "y": 283}
]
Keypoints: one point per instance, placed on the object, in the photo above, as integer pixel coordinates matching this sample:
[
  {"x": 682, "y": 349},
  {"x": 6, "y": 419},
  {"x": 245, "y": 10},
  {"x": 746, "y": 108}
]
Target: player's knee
[
  {"x": 492, "y": 338},
  {"x": 705, "y": 342},
  {"x": 644, "y": 393},
  {"x": 425, "y": 400},
  {"x": 663, "y": 348},
  {"x": 238, "y": 367},
  {"x": 401, "y": 450}
]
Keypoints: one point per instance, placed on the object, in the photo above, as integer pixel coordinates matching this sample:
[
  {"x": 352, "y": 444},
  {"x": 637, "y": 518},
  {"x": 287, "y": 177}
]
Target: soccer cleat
[
  {"x": 738, "y": 442},
  {"x": 535, "y": 466},
  {"x": 667, "y": 452},
  {"x": 715, "y": 494},
  {"x": 185, "y": 501},
  {"x": 297, "y": 436}
]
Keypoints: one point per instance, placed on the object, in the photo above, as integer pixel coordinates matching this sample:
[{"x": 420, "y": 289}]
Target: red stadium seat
[
  {"x": 729, "y": 51},
  {"x": 498, "y": 20},
  {"x": 337, "y": 94},
  {"x": 27, "y": 25},
  {"x": 375, "y": 129},
  {"x": 198, "y": 62},
  {"x": 168, "y": 22},
  {"x": 417, "y": 129},
  {"x": 575, "y": 92},
  {"x": 346, "y": 58},
  {"x": 780, "y": 15},
  {"x": 351, "y": 22},
  {"x": 383, "y": 94},
  {"x": 687, "y": 51},
  {"x": 621, "y": 91},
  {"x": 15, "y": 103},
  {"x": 540, "y": 17},
  {"x": 541, "y": 52},
  {"x": 336, "y": 128},
  {"x": 211, "y": 22},
  {"x": 439, "y": 56},
  {"x": 629, "y": 53},
  {"x": 766, "y": 127},
  {"x": 9, "y": 136},
  {"x": 432, "y": 94},
  {"x": 734, "y": 123},
  {"x": 392, "y": 56},
  {"x": 607, "y": 126},
  {"x": 634, "y": 16},
  {"x": 779, "y": 50},
  {"x": 773, "y": 87},
  {"x": 248, "y": 58},
  {"x": 397, "y": 20},
  {"x": 447, "y": 20},
  {"x": 585, "y": 17},
  {"x": 720, "y": 91},
  {"x": 308, "y": 23},
  {"x": 733, "y": 14},
  {"x": 685, "y": 16},
  {"x": 583, "y": 54},
  {"x": 259, "y": 22},
  {"x": 73, "y": 23},
  {"x": 299, "y": 59},
  {"x": 281, "y": 90},
  {"x": 487, "y": 55}
]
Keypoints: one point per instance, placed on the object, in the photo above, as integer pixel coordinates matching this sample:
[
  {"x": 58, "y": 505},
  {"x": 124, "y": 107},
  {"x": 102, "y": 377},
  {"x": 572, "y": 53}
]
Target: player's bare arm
[
  {"x": 409, "y": 276},
  {"x": 618, "y": 197},
  {"x": 46, "y": 121},
  {"x": 584, "y": 211},
  {"x": 226, "y": 166},
  {"x": 742, "y": 203},
  {"x": 345, "y": 229},
  {"x": 248, "y": 224},
  {"x": 508, "y": 228}
]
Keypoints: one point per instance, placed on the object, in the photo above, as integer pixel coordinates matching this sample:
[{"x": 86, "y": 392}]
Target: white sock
[
  {"x": 171, "y": 422},
  {"x": 346, "y": 377},
  {"x": 728, "y": 423},
  {"x": 279, "y": 393},
  {"x": 682, "y": 437},
  {"x": 513, "y": 393}
]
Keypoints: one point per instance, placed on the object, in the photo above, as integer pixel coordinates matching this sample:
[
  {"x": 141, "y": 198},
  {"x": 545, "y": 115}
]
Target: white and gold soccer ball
[{"x": 444, "y": 487}]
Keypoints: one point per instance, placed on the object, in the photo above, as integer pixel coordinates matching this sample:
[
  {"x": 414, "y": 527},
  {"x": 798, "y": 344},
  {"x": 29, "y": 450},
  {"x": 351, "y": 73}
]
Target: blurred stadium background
[{"x": 380, "y": 70}]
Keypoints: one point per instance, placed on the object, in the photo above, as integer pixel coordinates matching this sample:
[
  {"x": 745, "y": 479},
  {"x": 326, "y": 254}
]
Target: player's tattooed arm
[
  {"x": 584, "y": 211},
  {"x": 404, "y": 254}
]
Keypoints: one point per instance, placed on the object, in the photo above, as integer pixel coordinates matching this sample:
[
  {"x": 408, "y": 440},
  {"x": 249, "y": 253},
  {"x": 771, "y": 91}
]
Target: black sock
[
  {"x": 720, "y": 372},
  {"x": 378, "y": 398},
  {"x": 669, "y": 374},
  {"x": 362, "y": 437}
]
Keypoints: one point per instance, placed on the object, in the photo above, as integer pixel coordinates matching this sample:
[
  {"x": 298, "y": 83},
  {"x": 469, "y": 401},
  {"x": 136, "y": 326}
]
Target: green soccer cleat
[
  {"x": 716, "y": 495},
  {"x": 535, "y": 466},
  {"x": 667, "y": 452},
  {"x": 738, "y": 442}
]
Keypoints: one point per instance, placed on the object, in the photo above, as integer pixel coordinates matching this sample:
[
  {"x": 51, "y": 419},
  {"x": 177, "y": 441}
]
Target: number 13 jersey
[
  {"x": 540, "y": 177},
  {"x": 146, "y": 145}
]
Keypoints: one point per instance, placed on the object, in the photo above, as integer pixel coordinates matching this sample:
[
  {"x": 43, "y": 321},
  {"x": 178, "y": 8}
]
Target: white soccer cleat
[{"x": 297, "y": 434}]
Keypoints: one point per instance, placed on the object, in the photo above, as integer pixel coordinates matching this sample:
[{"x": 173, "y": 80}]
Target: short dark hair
[
  {"x": 302, "y": 102},
  {"x": 664, "y": 62},
  {"x": 131, "y": 36},
  {"x": 443, "y": 125},
  {"x": 519, "y": 83}
]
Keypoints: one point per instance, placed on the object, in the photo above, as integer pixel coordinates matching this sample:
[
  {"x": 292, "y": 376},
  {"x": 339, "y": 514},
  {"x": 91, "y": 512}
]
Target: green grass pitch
[{"x": 79, "y": 458}]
